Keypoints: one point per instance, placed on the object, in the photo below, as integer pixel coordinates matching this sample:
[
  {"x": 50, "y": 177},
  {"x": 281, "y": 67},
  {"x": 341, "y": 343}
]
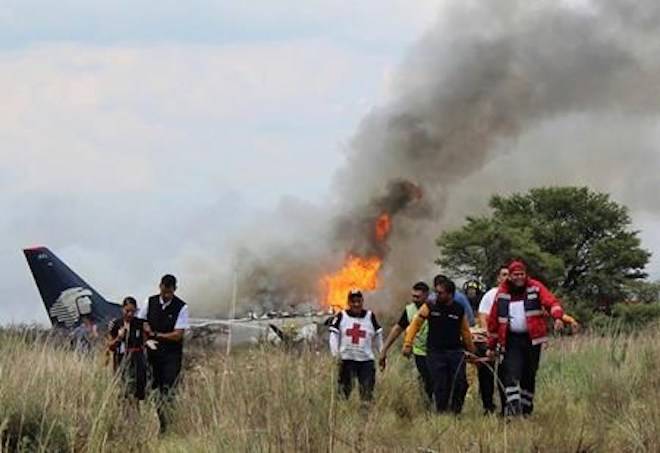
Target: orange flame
[
  {"x": 359, "y": 273},
  {"x": 383, "y": 226}
]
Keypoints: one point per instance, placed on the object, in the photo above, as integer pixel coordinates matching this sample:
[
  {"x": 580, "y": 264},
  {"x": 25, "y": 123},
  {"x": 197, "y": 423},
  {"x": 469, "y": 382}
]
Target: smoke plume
[{"x": 498, "y": 96}]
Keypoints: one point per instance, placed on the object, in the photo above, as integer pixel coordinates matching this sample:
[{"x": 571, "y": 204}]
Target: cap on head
[
  {"x": 517, "y": 266},
  {"x": 354, "y": 293}
]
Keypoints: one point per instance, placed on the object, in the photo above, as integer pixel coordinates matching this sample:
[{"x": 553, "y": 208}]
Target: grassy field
[{"x": 594, "y": 394}]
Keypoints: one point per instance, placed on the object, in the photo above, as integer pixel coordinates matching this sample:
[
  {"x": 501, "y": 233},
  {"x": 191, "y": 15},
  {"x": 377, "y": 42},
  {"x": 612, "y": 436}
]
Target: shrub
[{"x": 626, "y": 318}]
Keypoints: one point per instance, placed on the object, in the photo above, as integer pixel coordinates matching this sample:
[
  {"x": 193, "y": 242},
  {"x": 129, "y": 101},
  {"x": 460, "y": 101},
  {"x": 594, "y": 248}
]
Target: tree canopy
[{"x": 576, "y": 240}]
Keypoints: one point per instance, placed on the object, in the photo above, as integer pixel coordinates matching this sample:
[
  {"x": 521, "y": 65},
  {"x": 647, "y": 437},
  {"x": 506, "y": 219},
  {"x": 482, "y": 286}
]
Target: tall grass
[{"x": 595, "y": 393}]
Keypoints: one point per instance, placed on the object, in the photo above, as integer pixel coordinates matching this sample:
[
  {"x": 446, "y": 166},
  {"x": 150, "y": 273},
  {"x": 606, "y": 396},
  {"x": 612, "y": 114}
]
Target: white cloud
[
  {"x": 111, "y": 119},
  {"x": 120, "y": 157}
]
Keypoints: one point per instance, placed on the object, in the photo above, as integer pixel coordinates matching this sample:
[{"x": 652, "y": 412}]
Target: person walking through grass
[
  {"x": 355, "y": 336},
  {"x": 167, "y": 320},
  {"x": 449, "y": 338},
  {"x": 487, "y": 382},
  {"x": 419, "y": 295},
  {"x": 517, "y": 324},
  {"x": 84, "y": 337},
  {"x": 126, "y": 339}
]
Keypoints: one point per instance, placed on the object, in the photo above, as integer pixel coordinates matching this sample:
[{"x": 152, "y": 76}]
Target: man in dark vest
[
  {"x": 448, "y": 338},
  {"x": 167, "y": 320}
]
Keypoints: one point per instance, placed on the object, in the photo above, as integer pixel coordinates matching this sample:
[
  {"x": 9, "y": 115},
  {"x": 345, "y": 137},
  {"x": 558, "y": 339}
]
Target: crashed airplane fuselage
[{"x": 67, "y": 298}]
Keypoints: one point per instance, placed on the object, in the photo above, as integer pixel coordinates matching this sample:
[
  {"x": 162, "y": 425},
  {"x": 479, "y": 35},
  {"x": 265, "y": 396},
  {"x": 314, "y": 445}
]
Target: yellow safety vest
[{"x": 419, "y": 345}]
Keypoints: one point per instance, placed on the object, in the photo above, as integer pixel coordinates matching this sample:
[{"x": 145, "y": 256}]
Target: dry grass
[{"x": 595, "y": 394}]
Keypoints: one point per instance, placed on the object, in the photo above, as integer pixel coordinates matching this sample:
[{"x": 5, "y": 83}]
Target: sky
[{"x": 133, "y": 133}]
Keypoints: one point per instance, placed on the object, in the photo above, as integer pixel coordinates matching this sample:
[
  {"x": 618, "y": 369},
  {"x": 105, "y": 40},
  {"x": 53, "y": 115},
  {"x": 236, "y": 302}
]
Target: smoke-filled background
[{"x": 493, "y": 97}]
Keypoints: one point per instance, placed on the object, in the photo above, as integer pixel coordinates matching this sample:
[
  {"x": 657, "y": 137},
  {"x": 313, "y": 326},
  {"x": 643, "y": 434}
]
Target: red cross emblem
[{"x": 356, "y": 333}]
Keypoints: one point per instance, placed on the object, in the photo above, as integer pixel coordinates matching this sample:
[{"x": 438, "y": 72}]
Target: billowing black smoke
[
  {"x": 357, "y": 232},
  {"x": 488, "y": 75}
]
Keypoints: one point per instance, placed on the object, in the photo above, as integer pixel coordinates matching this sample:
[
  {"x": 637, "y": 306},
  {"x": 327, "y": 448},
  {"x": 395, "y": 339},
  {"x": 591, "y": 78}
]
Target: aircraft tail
[{"x": 66, "y": 296}]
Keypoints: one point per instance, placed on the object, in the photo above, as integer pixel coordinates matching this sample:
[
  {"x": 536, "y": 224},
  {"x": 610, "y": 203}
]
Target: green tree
[
  {"x": 574, "y": 239},
  {"x": 483, "y": 244},
  {"x": 643, "y": 292}
]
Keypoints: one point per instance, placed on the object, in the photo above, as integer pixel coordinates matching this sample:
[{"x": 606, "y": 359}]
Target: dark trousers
[
  {"x": 366, "y": 376},
  {"x": 486, "y": 386},
  {"x": 449, "y": 379},
  {"x": 424, "y": 376},
  {"x": 521, "y": 362},
  {"x": 133, "y": 371},
  {"x": 165, "y": 370},
  {"x": 488, "y": 383}
]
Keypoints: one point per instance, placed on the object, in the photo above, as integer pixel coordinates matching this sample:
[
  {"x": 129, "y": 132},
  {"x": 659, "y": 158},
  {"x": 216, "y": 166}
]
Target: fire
[
  {"x": 359, "y": 273},
  {"x": 383, "y": 226}
]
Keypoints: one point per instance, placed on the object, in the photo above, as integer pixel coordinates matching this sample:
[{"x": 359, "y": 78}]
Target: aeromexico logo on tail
[{"x": 71, "y": 304}]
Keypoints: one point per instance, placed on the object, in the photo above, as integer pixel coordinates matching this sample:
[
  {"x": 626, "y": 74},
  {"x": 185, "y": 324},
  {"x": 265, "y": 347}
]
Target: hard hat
[{"x": 476, "y": 284}]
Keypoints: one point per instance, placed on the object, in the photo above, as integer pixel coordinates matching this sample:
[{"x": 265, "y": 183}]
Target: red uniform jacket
[{"x": 538, "y": 301}]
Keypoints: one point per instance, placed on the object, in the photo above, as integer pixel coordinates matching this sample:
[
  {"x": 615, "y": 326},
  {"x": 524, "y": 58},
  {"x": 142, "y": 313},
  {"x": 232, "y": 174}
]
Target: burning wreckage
[
  {"x": 276, "y": 328},
  {"x": 366, "y": 238},
  {"x": 68, "y": 298}
]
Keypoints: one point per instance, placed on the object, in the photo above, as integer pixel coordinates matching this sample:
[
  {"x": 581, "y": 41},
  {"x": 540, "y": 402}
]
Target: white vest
[{"x": 356, "y": 335}]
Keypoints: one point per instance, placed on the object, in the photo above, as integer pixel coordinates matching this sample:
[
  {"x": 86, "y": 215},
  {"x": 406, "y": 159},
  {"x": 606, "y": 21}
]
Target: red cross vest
[
  {"x": 356, "y": 337},
  {"x": 538, "y": 301}
]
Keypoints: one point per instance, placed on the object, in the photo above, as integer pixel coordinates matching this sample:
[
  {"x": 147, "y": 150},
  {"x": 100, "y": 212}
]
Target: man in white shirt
[
  {"x": 166, "y": 321},
  {"x": 489, "y": 298},
  {"x": 355, "y": 338},
  {"x": 484, "y": 371}
]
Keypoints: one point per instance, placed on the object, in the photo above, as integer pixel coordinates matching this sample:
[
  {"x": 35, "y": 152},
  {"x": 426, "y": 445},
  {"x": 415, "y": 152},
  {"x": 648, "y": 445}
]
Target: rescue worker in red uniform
[{"x": 518, "y": 326}]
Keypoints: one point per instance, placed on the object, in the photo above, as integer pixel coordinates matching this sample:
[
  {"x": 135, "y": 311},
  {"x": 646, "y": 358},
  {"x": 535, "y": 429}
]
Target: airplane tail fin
[{"x": 66, "y": 296}]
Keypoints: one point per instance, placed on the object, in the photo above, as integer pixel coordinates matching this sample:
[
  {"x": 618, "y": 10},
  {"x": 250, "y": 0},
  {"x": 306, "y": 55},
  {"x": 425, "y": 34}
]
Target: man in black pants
[
  {"x": 487, "y": 382},
  {"x": 517, "y": 323},
  {"x": 167, "y": 320},
  {"x": 419, "y": 295},
  {"x": 448, "y": 338},
  {"x": 355, "y": 338}
]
